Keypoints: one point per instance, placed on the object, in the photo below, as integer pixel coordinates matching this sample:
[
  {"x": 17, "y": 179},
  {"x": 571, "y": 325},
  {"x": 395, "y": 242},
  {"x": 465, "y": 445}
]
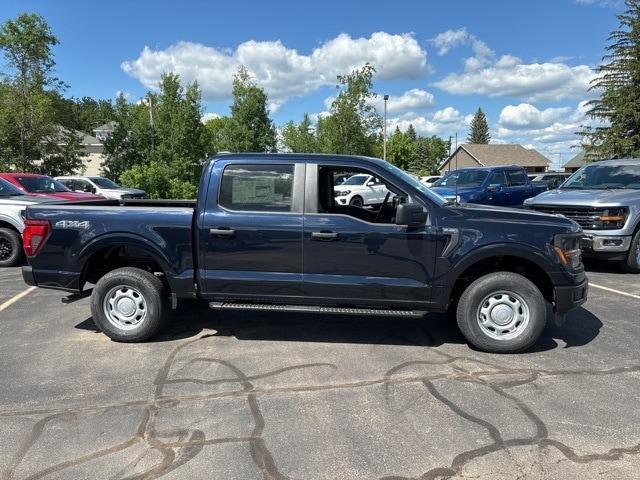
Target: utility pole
[{"x": 384, "y": 134}]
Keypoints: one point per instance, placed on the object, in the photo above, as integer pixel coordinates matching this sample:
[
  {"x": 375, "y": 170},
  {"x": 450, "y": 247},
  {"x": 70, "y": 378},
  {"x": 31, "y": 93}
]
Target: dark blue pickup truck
[
  {"x": 504, "y": 186},
  {"x": 266, "y": 233}
]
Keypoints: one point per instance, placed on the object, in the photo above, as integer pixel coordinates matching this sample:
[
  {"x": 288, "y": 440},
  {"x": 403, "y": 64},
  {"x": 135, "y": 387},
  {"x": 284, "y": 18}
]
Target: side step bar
[{"x": 265, "y": 307}]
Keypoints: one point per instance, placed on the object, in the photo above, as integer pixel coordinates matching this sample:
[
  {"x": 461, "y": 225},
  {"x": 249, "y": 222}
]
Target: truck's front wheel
[
  {"x": 129, "y": 305},
  {"x": 632, "y": 263},
  {"x": 502, "y": 312}
]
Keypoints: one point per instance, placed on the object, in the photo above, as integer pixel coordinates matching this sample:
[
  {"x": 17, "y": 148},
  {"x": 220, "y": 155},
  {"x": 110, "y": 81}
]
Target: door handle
[
  {"x": 325, "y": 236},
  {"x": 222, "y": 232}
]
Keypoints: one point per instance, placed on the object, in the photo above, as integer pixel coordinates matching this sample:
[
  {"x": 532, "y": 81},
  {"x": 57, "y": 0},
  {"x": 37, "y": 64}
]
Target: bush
[{"x": 158, "y": 180}]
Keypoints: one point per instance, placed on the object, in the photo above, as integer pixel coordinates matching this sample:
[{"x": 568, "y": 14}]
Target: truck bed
[{"x": 163, "y": 229}]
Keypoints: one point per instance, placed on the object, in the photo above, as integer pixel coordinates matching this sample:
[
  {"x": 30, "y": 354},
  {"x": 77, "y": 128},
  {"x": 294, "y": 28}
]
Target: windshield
[
  {"x": 8, "y": 190},
  {"x": 462, "y": 178},
  {"x": 104, "y": 182},
  {"x": 355, "y": 180},
  {"x": 41, "y": 185},
  {"x": 600, "y": 177},
  {"x": 417, "y": 184}
]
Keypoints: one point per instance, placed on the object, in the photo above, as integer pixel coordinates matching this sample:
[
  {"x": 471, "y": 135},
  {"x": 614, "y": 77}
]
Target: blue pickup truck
[
  {"x": 505, "y": 186},
  {"x": 266, "y": 233}
]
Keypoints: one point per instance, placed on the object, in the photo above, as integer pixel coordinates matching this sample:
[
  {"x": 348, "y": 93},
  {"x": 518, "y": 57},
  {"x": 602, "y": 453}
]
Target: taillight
[{"x": 34, "y": 235}]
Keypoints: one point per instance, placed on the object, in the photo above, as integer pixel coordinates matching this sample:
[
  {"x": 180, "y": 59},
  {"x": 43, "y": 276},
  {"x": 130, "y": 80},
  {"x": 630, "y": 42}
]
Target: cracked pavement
[{"x": 237, "y": 395}]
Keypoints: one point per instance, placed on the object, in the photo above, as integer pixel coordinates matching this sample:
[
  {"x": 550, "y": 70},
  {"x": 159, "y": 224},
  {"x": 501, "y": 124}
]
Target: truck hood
[
  {"x": 69, "y": 196},
  {"x": 22, "y": 200},
  {"x": 121, "y": 191},
  {"x": 590, "y": 198},
  {"x": 496, "y": 214}
]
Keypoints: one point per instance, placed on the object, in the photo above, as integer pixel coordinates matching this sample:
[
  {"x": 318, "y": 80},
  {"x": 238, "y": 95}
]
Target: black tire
[
  {"x": 632, "y": 263},
  {"x": 10, "y": 248},
  {"x": 486, "y": 290},
  {"x": 133, "y": 280},
  {"x": 356, "y": 201}
]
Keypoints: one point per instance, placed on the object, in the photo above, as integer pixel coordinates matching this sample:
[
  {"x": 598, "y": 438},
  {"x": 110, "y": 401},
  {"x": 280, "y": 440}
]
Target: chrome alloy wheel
[
  {"x": 503, "y": 315},
  {"x": 125, "y": 307}
]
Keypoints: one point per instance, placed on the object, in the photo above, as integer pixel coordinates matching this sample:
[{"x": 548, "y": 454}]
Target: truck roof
[
  {"x": 301, "y": 157},
  {"x": 618, "y": 162}
]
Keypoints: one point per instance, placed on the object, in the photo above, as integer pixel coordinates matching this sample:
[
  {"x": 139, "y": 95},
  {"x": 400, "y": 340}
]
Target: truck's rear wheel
[
  {"x": 129, "y": 305},
  {"x": 502, "y": 312},
  {"x": 10, "y": 248},
  {"x": 632, "y": 263}
]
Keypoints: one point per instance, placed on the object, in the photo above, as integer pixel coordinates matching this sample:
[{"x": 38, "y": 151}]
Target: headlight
[
  {"x": 567, "y": 248},
  {"x": 613, "y": 218},
  {"x": 342, "y": 193}
]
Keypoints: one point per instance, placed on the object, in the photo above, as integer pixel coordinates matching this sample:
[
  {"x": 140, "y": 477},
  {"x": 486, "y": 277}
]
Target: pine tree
[
  {"x": 479, "y": 129},
  {"x": 618, "y": 82}
]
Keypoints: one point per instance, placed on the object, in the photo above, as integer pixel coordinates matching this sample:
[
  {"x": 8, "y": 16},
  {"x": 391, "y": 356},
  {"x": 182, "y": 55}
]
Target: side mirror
[
  {"x": 370, "y": 184},
  {"x": 494, "y": 187},
  {"x": 411, "y": 215}
]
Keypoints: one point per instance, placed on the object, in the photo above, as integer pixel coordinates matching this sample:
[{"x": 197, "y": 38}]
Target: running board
[{"x": 265, "y": 307}]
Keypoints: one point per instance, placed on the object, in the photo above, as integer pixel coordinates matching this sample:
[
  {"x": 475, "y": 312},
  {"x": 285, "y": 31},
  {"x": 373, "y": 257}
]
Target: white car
[
  {"x": 101, "y": 186},
  {"x": 428, "y": 180},
  {"x": 359, "y": 190}
]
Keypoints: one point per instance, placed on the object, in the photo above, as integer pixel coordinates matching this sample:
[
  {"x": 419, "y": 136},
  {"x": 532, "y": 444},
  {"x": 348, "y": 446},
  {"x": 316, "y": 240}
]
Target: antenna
[{"x": 455, "y": 154}]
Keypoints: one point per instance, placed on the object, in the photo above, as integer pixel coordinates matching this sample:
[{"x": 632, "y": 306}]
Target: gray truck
[{"x": 604, "y": 198}]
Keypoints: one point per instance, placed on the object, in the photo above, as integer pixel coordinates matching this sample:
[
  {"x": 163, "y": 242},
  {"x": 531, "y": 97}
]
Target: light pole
[{"x": 384, "y": 134}]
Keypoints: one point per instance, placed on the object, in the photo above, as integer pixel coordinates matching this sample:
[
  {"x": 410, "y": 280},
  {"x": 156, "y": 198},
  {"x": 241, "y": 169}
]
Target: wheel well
[
  {"x": 9, "y": 226},
  {"x": 107, "y": 259},
  {"x": 522, "y": 266}
]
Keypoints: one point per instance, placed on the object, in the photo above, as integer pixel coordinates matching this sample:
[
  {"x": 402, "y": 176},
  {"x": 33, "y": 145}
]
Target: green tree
[
  {"x": 299, "y": 138},
  {"x": 125, "y": 147},
  {"x": 479, "y": 132},
  {"x": 401, "y": 149},
  {"x": 252, "y": 129},
  {"x": 353, "y": 125},
  {"x": 430, "y": 152},
  {"x": 158, "y": 180},
  {"x": 219, "y": 133},
  {"x": 28, "y": 112},
  {"x": 62, "y": 153},
  {"x": 618, "y": 82}
]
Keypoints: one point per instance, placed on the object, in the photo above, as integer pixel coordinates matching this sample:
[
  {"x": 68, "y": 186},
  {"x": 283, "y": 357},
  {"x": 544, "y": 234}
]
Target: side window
[
  {"x": 516, "y": 178},
  {"x": 497, "y": 178},
  {"x": 82, "y": 185},
  {"x": 257, "y": 188}
]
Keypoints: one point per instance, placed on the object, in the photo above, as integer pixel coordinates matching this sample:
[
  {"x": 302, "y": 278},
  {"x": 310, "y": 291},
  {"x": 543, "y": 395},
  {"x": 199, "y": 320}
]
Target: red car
[{"x": 43, "y": 186}]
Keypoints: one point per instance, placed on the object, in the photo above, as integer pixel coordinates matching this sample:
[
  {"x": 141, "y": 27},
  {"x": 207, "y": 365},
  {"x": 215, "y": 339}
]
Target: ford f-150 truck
[
  {"x": 266, "y": 233},
  {"x": 505, "y": 186},
  {"x": 604, "y": 198}
]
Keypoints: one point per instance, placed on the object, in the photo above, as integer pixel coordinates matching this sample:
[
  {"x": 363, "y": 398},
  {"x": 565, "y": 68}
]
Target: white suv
[
  {"x": 359, "y": 190},
  {"x": 101, "y": 186}
]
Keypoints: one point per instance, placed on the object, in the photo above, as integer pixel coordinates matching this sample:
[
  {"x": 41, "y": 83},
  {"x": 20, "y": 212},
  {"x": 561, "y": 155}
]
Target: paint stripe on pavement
[
  {"x": 614, "y": 291},
  {"x": 15, "y": 298}
]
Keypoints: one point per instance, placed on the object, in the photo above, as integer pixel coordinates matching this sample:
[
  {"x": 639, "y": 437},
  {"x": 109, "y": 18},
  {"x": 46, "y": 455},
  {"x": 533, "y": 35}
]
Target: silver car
[
  {"x": 12, "y": 203},
  {"x": 100, "y": 186},
  {"x": 604, "y": 198}
]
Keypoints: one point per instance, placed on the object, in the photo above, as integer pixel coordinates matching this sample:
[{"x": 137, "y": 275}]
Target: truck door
[
  {"x": 519, "y": 187},
  {"x": 358, "y": 255},
  {"x": 498, "y": 188},
  {"x": 250, "y": 232}
]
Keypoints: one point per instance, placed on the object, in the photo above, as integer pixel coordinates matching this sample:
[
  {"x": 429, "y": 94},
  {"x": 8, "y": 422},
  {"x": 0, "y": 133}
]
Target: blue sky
[{"x": 525, "y": 63}]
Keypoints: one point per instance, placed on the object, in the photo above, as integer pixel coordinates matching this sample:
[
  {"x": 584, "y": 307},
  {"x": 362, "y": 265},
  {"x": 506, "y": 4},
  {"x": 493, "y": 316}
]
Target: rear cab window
[
  {"x": 257, "y": 188},
  {"x": 517, "y": 178}
]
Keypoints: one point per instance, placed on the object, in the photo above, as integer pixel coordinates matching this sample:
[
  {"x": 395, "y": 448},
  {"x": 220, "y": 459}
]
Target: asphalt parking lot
[{"x": 254, "y": 395}]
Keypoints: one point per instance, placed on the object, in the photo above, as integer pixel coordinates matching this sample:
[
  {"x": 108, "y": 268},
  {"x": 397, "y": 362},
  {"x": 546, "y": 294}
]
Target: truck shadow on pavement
[{"x": 434, "y": 330}]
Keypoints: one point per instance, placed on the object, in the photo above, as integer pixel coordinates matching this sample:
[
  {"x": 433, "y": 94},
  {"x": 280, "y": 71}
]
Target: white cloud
[
  {"x": 510, "y": 77},
  {"x": 550, "y": 131},
  {"x": 601, "y": 3},
  {"x": 209, "y": 116},
  {"x": 445, "y": 41},
  {"x": 526, "y": 115},
  {"x": 444, "y": 122},
  {"x": 411, "y": 100},
  {"x": 282, "y": 71}
]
